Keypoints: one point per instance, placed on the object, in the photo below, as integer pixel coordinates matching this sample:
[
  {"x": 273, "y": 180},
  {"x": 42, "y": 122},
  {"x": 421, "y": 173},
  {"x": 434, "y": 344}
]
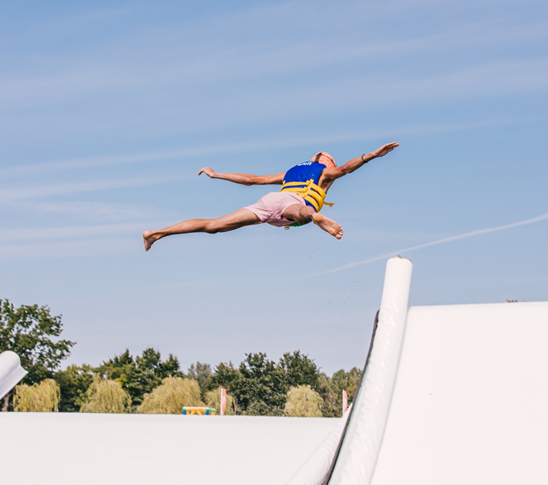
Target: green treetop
[
  {"x": 140, "y": 375},
  {"x": 30, "y": 331}
]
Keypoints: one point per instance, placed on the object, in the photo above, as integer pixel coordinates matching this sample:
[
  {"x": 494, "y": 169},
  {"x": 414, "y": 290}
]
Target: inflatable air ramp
[{"x": 450, "y": 395}]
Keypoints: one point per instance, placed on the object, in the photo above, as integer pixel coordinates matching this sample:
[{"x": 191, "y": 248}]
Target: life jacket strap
[{"x": 309, "y": 191}]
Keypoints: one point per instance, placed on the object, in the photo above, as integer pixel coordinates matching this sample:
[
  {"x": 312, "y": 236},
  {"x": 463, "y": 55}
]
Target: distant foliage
[
  {"x": 106, "y": 396},
  {"x": 332, "y": 400},
  {"x": 299, "y": 370},
  {"x": 303, "y": 402},
  {"x": 200, "y": 373},
  {"x": 145, "y": 383},
  {"x": 171, "y": 396},
  {"x": 213, "y": 400},
  {"x": 257, "y": 386},
  {"x": 260, "y": 385},
  {"x": 343, "y": 380},
  {"x": 140, "y": 375},
  {"x": 38, "y": 398},
  {"x": 260, "y": 388},
  {"x": 331, "y": 389},
  {"x": 74, "y": 383},
  {"x": 225, "y": 375}
]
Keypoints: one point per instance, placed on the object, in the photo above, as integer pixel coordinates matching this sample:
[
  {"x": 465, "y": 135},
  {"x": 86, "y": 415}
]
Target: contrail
[{"x": 439, "y": 241}]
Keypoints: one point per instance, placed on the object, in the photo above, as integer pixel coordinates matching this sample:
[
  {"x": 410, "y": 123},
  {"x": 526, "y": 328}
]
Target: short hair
[{"x": 324, "y": 158}]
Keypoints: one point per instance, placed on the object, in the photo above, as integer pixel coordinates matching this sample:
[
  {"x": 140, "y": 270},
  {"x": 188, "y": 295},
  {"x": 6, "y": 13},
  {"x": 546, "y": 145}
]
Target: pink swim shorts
[{"x": 270, "y": 208}]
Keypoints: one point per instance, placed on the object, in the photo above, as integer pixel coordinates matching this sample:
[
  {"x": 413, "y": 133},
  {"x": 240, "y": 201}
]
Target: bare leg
[
  {"x": 240, "y": 218},
  {"x": 303, "y": 214}
]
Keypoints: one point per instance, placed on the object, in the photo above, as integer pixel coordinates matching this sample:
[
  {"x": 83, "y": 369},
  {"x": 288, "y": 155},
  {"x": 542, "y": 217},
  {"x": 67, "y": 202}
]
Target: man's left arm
[{"x": 353, "y": 165}]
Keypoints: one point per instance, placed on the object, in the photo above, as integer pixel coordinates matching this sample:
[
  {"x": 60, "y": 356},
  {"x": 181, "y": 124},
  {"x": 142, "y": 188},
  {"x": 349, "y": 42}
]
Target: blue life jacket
[{"x": 303, "y": 180}]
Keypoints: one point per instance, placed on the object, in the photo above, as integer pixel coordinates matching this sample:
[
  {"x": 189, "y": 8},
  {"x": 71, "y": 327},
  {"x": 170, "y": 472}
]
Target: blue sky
[{"x": 109, "y": 109}]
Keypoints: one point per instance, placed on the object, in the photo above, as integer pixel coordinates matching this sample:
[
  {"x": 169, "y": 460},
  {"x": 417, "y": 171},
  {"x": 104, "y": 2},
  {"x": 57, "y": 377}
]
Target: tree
[
  {"x": 213, "y": 400},
  {"x": 260, "y": 387},
  {"x": 331, "y": 389},
  {"x": 299, "y": 370},
  {"x": 262, "y": 408},
  {"x": 74, "y": 382},
  {"x": 151, "y": 360},
  {"x": 332, "y": 402},
  {"x": 303, "y": 401},
  {"x": 171, "y": 396},
  {"x": 200, "y": 373},
  {"x": 348, "y": 381},
  {"x": 141, "y": 375},
  {"x": 38, "y": 398},
  {"x": 28, "y": 331},
  {"x": 106, "y": 396},
  {"x": 224, "y": 376}
]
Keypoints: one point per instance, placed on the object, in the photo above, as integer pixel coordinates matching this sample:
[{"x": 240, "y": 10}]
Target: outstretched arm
[
  {"x": 353, "y": 165},
  {"x": 245, "y": 178}
]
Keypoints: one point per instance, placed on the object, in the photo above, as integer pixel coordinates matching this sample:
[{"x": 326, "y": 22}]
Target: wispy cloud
[
  {"x": 113, "y": 68},
  {"x": 485, "y": 80},
  {"x": 73, "y": 232},
  {"x": 63, "y": 249},
  {"x": 436, "y": 242},
  {"x": 13, "y": 194},
  {"x": 245, "y": 146},
  {"x": 143, "y": 81},
  {"x": 92, "y": 210}
]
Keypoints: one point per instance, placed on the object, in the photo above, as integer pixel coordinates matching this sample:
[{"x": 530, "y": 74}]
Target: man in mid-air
[{"x": 299, "y": 201}]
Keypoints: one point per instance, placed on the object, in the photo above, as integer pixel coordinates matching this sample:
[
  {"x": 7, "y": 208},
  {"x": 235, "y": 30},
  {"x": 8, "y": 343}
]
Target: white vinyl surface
[
  {"x": 73, "y": 448},
  {"x": 11, "y": 371},
  {"x": 470, "y": 403}
]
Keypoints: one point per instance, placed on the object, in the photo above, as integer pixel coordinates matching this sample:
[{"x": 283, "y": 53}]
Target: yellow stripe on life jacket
[{"x": 309, "y": 191}]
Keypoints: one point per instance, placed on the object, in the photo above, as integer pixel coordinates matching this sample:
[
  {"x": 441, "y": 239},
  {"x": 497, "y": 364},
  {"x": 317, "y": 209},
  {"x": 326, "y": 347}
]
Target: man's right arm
[{"x": 245, "y": 178}]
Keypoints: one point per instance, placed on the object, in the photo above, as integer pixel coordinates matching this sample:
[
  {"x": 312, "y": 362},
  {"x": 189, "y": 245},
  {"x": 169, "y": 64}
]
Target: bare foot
[
  {"x": 148, "y": 239},
  {"x": 328, "y": 225}
]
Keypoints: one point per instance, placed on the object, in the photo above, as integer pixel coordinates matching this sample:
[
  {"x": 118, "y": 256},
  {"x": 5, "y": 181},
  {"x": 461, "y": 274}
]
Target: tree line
[{"x": 146, "y": 383}]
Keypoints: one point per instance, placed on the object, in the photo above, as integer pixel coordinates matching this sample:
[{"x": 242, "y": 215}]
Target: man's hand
[
  {"x": 208, "y": 171},
  {"x": 382, "y": 151}
]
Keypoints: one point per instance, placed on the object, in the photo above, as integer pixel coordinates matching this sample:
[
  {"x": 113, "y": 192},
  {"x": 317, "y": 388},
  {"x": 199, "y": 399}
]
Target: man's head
[{"x": 325, "y": 158}]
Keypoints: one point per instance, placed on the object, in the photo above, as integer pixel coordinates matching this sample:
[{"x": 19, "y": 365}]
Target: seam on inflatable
[{"x": 336, "y": 456}]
